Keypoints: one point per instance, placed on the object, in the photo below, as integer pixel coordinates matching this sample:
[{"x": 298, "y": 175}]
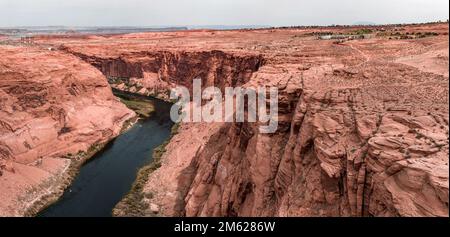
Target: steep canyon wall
[{"x": 54, "y": 111}]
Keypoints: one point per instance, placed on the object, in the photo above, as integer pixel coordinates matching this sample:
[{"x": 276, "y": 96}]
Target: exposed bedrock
[
  {"x": 156, "y": 72},
  {"x": 364, "y": 151},
  {"x": 54, "y": 110},
  {"x": 332, "y": 158}
]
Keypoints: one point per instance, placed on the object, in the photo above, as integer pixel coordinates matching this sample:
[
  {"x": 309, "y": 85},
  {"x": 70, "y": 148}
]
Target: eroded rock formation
[
  {"x": 155, "y": 73},
  {"x": 54, "y": 110}
]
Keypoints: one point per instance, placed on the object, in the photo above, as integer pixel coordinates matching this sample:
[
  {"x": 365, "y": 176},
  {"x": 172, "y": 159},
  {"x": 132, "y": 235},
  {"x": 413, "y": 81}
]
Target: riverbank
[
  {"x": 141, "y": 107},
  {"x": 113, "y": 170},
  {"x": 51, "y": 107},
  {"x": 60, "y": 183},
  {"x": 135, "y": 204}
]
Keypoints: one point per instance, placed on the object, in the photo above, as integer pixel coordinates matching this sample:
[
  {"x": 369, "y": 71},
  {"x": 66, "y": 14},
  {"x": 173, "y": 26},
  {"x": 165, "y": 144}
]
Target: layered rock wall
[
  {"x": 54, "y": 110},
  {"x": 331, "y": 160},
  {"x": 155, "y": 73}
]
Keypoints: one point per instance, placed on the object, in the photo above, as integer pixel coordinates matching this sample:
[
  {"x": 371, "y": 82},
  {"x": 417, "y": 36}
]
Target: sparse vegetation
[
  {"x": 362, "y": 32},
  {"x": 175, "y": 128},
  {"x": 133, "y": 204},
  {"x": 144, "y": 108},
  {"x": 406, "y": 35},
  {"x": 118, "y": 80},
  {"x": 59, "y": 183}
]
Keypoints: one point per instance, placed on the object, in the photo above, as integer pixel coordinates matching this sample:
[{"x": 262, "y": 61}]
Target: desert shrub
[{"x": 362, "y": 32}]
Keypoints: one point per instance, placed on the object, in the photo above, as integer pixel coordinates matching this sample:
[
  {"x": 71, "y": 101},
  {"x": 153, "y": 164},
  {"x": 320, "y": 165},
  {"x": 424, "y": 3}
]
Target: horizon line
[{"x": 224, "y": 25}]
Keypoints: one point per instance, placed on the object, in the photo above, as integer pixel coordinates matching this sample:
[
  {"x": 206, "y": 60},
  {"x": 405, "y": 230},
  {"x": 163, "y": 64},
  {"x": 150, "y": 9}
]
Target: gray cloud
[{"x": 217, "y": 12}]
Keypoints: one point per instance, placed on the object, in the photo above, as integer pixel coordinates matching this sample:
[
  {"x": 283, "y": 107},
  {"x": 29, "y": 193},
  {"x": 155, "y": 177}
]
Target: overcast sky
[{"x": 217, "y": 12}]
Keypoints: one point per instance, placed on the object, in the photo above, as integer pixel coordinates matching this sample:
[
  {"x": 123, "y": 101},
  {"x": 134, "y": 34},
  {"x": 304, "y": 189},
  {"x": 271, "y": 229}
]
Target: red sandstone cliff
[
  {"x": 363, "y": 123},
  {"x": 156, "y": 72},
  {"x": 54, "y": 108}
]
